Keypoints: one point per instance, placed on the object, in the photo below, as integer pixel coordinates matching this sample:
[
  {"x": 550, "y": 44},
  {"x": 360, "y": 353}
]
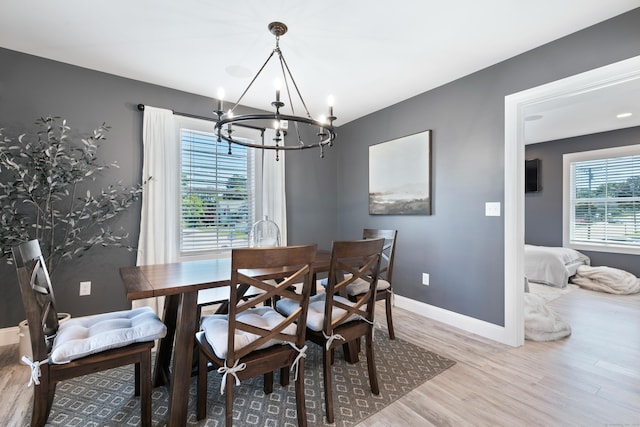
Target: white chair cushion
[
  {"x": 360, "y": 286},
  {"x": 216, "y": 329},
  {"x": 315, "y": 315},
  {"x": 82, "y": 336}
]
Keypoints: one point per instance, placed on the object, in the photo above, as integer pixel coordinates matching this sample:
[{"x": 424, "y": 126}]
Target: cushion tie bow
[
  {"x": 225, "y": 370},
  {"x": 302, "y": 352},
  {"x": 35, "y": 370},
  {"x": 331, "y": 338}
]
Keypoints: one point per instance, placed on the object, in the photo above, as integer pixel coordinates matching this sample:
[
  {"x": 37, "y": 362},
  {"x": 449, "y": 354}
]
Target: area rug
[{"x": 106, "y": 398}]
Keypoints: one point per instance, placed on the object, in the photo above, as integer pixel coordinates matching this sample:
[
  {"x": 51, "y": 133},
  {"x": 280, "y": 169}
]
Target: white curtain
[
  {"x": 161, "y": 167},
  {"x": 272, "y": 200},
  {"x": 160, "y": 198}
]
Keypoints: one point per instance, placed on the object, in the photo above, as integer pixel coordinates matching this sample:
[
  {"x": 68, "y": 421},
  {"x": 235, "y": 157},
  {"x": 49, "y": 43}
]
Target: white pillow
[
  {"x": 315, "y": 315},
  {"x": 82, "y": 336},
  {"x": 216, "y": 329}
]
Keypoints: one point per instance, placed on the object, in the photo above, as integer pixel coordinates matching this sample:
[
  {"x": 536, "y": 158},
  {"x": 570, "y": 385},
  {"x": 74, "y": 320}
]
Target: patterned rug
[{"x": 106, "y": 398}]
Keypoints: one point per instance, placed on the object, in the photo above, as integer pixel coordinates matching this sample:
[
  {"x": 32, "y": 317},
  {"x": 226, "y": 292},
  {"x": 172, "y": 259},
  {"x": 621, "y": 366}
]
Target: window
[
  {"x": 217, "y": 195},
  {"x": 602, "y": 210}
]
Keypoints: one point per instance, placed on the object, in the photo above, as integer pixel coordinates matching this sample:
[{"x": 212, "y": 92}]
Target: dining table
[{"x": 180, "y": 283}]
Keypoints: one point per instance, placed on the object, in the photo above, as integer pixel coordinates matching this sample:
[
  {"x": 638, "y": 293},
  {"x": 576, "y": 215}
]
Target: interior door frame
[{"x": 514, "y": 208}]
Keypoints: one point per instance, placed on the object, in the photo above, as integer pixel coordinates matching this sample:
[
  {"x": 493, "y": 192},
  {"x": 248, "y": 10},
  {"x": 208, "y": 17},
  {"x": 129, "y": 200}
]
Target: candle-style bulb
[
  {"x": 330, "y": 101},
  {"x": 229, "y": 116},
  {"x": 220, "y": 98},
  {"x": 277, "y": 86}
]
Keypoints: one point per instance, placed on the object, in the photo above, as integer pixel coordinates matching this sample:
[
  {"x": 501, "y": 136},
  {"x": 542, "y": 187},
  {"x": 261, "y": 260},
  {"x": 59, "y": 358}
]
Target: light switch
[{"x": 492, "y": 209}]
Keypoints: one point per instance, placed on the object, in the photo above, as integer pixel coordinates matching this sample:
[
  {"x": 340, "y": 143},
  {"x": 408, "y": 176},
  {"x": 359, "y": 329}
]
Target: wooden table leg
[
  {"x": 181, "y": 372},
  {"x": 162, "y": 372}
]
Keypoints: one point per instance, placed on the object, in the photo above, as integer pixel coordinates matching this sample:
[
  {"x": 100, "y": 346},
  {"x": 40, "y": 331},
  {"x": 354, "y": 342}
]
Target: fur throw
[
  {"x": 540, "y": 322},
  {"x": 606, "y": 279}
]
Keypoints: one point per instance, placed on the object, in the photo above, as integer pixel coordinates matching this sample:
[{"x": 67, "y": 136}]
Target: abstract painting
[{"x": 400, "y": 176}]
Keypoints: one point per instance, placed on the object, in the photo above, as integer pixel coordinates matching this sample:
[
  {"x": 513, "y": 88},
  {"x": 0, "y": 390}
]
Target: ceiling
[
  {"x": 365, "y": 53},
  {"x": 585, "y": 111}
]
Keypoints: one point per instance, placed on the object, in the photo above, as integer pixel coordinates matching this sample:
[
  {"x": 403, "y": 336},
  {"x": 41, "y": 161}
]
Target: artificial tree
[{"x": 46, "y": 193}]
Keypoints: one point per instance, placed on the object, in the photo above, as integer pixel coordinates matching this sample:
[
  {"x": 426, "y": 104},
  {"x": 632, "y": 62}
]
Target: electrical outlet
[
  {"x": 425, "y": 279},
  {"x": 85, "y": 288}
]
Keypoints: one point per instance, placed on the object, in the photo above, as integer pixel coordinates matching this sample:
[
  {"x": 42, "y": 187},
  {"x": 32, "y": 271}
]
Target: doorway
[{"x": 517, "y": 107}]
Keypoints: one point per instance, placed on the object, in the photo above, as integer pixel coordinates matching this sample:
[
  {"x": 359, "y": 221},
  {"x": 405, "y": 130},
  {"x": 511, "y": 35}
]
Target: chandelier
[{"x": 321, "y": 130}]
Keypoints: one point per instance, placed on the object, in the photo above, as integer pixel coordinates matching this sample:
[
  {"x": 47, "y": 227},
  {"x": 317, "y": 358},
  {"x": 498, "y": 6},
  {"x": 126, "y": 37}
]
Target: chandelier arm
[
  {"x": 298, "y": 133},
  {"x": 295, "y": 85},
  {"x": 286, "y": 83},
  {"x": 253, "y": 80},
  {"x": 283, "y": 67}
]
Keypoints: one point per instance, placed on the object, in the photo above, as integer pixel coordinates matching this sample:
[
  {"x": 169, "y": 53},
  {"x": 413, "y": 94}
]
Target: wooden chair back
[
  {"x": 255, "y": 268},
  {"x": 388, "y": 250},
  {"x": 37, "y": 297},
  {"x": 42, "y": 317},
  {"x": 273, "y": 272},
  {"x": 352, "y": 260}
]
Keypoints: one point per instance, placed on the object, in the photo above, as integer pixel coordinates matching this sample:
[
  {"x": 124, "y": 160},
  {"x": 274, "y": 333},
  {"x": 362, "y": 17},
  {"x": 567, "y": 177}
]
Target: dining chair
[
  {"x": 253, "y": 340},
  {"x": 333, "y": 319},
  {"x": 384, "y": 289},
  {"x": 81, "y": 345}
]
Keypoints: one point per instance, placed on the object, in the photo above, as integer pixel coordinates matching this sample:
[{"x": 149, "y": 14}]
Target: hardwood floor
[{"x": 591, "y": 378}]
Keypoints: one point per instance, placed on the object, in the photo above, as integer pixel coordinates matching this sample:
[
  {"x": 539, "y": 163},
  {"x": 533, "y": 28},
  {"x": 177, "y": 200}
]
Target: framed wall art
[{"x": 400, "y": 176}]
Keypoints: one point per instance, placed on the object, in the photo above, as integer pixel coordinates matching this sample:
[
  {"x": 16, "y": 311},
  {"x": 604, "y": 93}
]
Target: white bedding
[
  {"x": 607, "y": 279},
  {"x": 552, "y": 266},
  {"x": 541, "y": 323}
]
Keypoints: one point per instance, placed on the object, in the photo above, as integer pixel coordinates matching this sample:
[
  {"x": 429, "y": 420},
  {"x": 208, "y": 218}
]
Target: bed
[{"x": 552, "y": 266}]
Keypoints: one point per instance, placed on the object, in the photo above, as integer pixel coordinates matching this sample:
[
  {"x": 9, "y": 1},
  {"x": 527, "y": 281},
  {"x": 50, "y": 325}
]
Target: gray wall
[
  {"x": 543, "y": 210},
  {"x": 32, "y": 87},
  {"x": 311, "y": 196},
  {"x": 460, "y": 247}
]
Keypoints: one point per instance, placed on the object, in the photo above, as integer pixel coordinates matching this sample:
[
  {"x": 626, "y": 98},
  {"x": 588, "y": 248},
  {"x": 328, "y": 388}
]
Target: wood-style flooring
[{"x": 591, "y": 378}]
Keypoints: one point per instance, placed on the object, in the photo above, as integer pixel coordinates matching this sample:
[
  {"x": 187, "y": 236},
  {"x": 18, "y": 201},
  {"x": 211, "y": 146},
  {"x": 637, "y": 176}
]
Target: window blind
[
  {"x": 605, "y": 201},
  {"x": 216, "y": 194}
]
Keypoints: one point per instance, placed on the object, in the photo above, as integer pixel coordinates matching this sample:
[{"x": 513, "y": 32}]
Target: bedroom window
[
  {"x": 602, "y": 200},
  {"x": 216, "y": 191}
]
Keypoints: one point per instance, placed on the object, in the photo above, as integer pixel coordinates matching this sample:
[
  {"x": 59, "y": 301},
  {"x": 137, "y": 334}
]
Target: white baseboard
[
  {"x": 460, "y": 321},
  {"x": 9, "y": 336}
]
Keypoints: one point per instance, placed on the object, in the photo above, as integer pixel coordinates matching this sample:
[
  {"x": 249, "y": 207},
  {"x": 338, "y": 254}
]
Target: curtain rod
[{"x": 209, "y": 119}]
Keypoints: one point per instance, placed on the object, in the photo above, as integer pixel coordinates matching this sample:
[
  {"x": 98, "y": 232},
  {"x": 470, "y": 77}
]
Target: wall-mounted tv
[{"x": 532, "y": 176}]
